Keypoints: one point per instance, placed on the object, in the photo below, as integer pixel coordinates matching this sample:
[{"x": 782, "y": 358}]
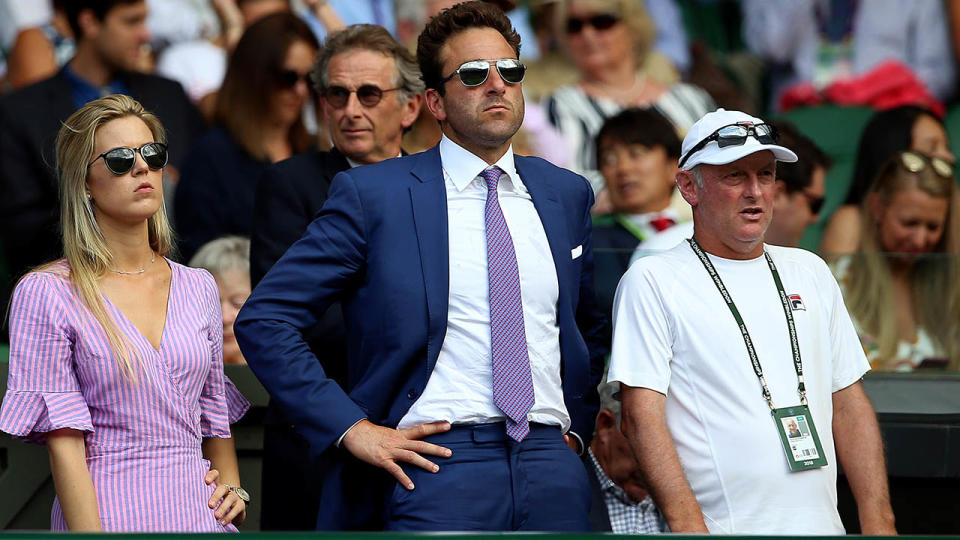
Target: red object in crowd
[{"x": 888, "y": 85}]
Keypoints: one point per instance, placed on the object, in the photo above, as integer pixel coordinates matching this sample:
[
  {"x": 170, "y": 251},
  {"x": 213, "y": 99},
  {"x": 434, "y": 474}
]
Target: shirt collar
[
  {"x": 353, "y": 163},
  {"x": 608, "y": 486},
  {"x": 462, "y": 166}
]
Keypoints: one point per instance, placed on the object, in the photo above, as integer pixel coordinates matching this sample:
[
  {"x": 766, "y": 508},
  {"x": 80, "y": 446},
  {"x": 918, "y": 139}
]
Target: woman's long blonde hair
[
  {"x": 84, "y": 247},
  {"x": 933, "y": 279}
]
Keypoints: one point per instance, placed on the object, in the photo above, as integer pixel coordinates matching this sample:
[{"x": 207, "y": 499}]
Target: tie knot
[{"x": 492, "y": 177}]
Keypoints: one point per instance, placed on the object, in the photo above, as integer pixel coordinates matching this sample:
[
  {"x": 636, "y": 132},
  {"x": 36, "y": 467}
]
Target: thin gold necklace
[{"x": 153, "y": 257}]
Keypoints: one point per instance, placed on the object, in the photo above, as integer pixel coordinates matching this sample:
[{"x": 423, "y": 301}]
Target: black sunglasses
[
  {"x": 368, "y": 95},
  {"x": 475, "y": 72},
  {"x": 735, "y": 135},
  {"x": 121, "y": 159},
  {"x": 815, "y": 203},
  {"x": 916, "y": 162},
  {"x": 604, "y": 21},
  {"x": 288, "y": 78}
]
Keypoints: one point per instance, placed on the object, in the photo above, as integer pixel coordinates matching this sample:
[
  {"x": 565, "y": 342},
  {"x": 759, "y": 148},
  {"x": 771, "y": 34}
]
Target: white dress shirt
[{"x": 460, "y": 389}]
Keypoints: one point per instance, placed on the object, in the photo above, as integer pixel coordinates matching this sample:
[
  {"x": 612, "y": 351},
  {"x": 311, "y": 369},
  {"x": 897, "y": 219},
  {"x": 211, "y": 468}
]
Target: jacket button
[{"x": 412, "y": 394}]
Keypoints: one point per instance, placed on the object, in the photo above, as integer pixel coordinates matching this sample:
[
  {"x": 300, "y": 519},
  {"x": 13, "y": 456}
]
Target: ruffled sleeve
[
  {"x": 43, "y": 392},
  {"x": 221, "y": 404}
]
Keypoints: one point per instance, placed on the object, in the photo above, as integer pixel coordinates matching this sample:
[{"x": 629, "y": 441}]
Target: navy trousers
[{"x": 493, "y": 483}]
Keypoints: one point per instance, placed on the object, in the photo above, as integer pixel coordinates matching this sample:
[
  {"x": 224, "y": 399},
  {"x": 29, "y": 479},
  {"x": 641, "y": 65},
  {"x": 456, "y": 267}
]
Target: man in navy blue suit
[{"x": 474, "y": 342}]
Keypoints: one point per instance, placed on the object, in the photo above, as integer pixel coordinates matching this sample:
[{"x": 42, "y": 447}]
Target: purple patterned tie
[{"x": 512, "y": 381}]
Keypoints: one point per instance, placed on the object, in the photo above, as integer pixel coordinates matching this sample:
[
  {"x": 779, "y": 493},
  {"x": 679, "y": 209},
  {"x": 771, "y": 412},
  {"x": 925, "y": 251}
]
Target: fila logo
[{"x": 796, "y": 303}]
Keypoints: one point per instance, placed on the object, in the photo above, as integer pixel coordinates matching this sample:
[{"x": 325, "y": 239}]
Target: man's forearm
[
  {"x": 644, "y": 425},
  {"x": 859, "y": 447}
]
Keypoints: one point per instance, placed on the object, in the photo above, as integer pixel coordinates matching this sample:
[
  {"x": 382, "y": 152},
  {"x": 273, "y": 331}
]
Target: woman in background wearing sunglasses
[
  {"x": 888, "y": 132},
  {"x": 901, "y": 287},
  {"x": 259, "y": 121},
  {"x": 610, "y": 42},
  {"x": 115, "y": 351}
]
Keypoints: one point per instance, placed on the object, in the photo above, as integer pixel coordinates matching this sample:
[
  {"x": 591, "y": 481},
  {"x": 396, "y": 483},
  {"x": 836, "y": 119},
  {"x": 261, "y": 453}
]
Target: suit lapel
[
  {"x": 554, "y": 222},
  {"x": 429, "y": 202}
]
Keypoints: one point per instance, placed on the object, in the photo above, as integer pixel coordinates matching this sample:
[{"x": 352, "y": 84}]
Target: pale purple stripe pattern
[
  {"x": 142, "y": 439},
  {"x": 512, "y": 381}
]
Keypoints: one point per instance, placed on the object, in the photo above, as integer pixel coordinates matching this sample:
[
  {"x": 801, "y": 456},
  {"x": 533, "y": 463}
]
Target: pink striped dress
[{"x": 142, "y": 439}]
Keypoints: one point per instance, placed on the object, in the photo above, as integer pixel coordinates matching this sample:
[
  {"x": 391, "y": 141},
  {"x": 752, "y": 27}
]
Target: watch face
[{"x": 242, "y": 493}]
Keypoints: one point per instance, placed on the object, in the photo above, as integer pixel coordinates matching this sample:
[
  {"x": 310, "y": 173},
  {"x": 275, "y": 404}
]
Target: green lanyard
[
  {"x": 794, "y": 343},
  {"x": 630, "y": 226}
]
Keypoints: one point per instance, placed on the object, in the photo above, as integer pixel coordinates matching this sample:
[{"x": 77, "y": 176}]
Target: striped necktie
[{"x": 512, "y": 381}]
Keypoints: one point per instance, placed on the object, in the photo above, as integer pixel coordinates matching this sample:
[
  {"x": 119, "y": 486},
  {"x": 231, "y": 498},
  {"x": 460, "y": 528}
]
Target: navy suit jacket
[{"x": 380, "y": 245}]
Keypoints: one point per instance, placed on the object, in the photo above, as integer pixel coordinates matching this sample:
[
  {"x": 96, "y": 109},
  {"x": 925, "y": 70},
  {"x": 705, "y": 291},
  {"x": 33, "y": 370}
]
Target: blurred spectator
[
  {"x": 378, "y": 12},
  {"x": 200, "y": 64},
  {"x": 109, "y": 37},
  {"x": 552, "y": 69},
  {"x": 823, "y": 41},
  {"x": 620, "y": 502},
  {"x": 906, "y": 303},
  {"x": 39, "y": 51},
  {"x": 671, "y": 40},
  {"x": 17, "y": 15},
  {"x": 228, "y": 260},
  {"x": 801, "y": 187},
  {"x": 886, "y": 134},
  {"x": 258, "y": 122},
  {"x": 610, "y": 41},
  {"x": 638, "y": 150}
]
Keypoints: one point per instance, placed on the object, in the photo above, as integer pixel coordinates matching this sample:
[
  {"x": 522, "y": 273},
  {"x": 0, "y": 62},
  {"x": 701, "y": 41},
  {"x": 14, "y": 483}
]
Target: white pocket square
[{"x": 576, "y": 252}]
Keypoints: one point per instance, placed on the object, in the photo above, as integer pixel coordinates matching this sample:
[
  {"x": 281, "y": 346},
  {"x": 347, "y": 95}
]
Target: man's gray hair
[
  {"x": 697, "y": 174},
  {"x": 370, "y": 37}
]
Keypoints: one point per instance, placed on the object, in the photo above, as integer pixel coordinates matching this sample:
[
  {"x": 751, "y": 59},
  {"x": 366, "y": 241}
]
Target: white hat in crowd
[{"x": 713, "y": 154}]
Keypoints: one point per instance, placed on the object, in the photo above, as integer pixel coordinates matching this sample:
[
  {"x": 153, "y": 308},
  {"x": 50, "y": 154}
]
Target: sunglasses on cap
[
  {"x": 288, "y": 78},
  {"x": 916, "y": 162},
  {"x": 368, "y": 95},
  {"x": 735, "y": 135},
  {"x": 121, "y": 159},
  {"x": 601, "y": 22},
  {"x": 475, "y": 72}
]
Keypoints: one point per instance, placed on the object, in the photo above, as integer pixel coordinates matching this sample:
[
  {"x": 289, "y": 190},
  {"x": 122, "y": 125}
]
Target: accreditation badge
[{"x": 799, "y": 438}]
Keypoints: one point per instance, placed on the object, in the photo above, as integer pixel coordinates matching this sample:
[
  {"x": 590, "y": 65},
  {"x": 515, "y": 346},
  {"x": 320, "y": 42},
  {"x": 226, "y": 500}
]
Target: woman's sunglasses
[
  {"x": 368, "y": 95},
  {"x": 604, "y": 21},
  {"x": 475, "y": 72},
  {"x": 735, "y": 135},
  {"x": 288, "y": 78},
  {"x": 916, "y": 162},
  {"x": 121, "y": 159}
]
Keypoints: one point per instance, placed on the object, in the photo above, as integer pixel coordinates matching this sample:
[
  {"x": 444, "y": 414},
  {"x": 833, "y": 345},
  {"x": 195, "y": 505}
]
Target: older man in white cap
[{"x": 723, "y": 341}]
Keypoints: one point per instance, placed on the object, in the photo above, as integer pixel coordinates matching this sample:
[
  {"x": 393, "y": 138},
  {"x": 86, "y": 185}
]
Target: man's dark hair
[
  {"x": 798, "y": 175},
  {"x": 646, "y": 127},
  {"x": 100, "y": 8},
  {"x": 451, "y": 21}
]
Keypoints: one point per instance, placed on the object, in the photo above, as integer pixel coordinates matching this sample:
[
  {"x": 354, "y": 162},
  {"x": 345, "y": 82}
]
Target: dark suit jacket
[
  {"x": 29, "y": 121},
  {"x": 215, "y": 195},
  {"x": 380, "y": 246},
  {"x": 599, "y": 516},
  {"x": 613, "y": 247}
]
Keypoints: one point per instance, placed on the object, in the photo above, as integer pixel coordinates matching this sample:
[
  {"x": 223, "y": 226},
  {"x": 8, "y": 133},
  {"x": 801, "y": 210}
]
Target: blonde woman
[
  {"x": 901, "y": 287},
  {"x": 115, "y": 351}
]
